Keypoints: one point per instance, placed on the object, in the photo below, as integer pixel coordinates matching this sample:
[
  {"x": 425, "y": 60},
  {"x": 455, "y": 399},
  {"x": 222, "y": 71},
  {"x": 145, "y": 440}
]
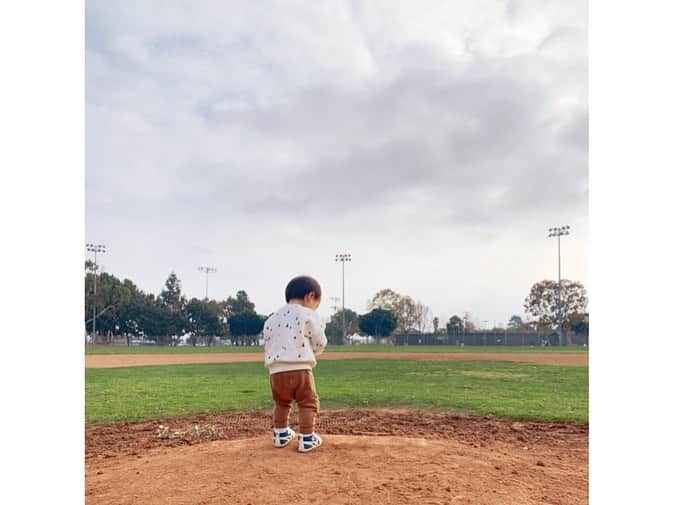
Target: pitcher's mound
[{"x": 345, "y": 470}]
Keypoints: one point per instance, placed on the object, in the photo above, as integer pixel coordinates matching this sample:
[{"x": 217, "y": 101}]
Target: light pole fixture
[
  {"x": 335, "y": 301},
  {"x": 343, "y": 258},
  {"x": 559, "y": 232},
  {"x": 207, "y": 270},
  {"x": 96, "y": 249}
]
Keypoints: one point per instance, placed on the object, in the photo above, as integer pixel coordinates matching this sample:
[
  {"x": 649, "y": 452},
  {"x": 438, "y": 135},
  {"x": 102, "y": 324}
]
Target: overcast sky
[{"x": 434, "y": 141}]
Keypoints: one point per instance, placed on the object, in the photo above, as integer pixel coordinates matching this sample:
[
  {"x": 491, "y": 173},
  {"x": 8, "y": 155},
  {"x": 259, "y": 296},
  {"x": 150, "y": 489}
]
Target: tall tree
[
  {"x": 386, "y": 299},
  {"x": 112, "y": 296},
  {"x": 204, "y": 320},
  {"x": 550, "y": 304},
  {"x": 174, "y": 323},
  {"x": 130, "y": 313},
  {"x": 378, "y": 323},
  {"x": 160, "y": 324},
  {"x": 245, "y": 327},
  {"x": 171, "y": 296},
  {"x": 455, "y": 326},
  {"x": 147, "y": 318},
  {"x": 407, "y": 316},
  {"x": 436, "y": 324},
  {"x": 334, "y": 330},
  {"x": 515, "y": 322},
  {"x": 580, "y": 324},
  {"x": 408, "y": 313},
  {"x": 421, "y": 315},
  {"x": 238, "y": 304}
]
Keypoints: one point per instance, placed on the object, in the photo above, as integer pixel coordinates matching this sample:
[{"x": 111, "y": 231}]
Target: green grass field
[
  {"x": 504, "y": 389},
  {"x": 151, "y": 349}
]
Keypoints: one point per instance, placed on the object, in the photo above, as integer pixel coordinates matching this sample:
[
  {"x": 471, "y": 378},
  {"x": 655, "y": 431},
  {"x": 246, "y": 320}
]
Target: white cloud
[{"x": 432, "y": 137}]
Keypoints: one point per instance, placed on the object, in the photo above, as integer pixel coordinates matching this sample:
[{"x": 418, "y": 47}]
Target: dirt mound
[
  {"x": 407, "y": 457},
  {"x": 121, "y": 360}
]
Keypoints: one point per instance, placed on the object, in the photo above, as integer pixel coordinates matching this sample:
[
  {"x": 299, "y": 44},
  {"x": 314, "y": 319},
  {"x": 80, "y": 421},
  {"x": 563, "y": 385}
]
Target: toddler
[{"x": 293, "y": 337}]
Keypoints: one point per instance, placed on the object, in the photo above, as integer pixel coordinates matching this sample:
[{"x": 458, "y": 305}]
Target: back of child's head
[{"x": 301, "y": 286}]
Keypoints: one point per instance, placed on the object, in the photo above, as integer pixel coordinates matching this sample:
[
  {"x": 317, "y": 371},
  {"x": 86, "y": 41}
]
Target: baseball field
[{"x": 414, "y": 424}]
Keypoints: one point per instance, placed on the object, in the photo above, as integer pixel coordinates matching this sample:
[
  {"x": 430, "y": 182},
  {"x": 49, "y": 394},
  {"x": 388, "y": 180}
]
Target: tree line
[
  {"x": 554, "y": 307},
  {"x": 390, "y": 315},
  {"x": 122, "y": 309}
]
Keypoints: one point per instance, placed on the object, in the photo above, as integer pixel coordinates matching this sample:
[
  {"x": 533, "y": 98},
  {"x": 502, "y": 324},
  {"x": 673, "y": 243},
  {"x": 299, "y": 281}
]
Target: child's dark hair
[{"x": 301, "y": 286}]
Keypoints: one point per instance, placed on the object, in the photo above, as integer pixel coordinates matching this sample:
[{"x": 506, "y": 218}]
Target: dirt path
[
  {"x": 434, "y": 458},
  {"x": 122, "y": 360}
]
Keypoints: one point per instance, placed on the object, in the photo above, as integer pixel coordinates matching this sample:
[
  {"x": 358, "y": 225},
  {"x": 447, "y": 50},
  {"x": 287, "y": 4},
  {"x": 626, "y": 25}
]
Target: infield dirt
[
  {"x": 122, "y": 360},
  {"x": 369, "y": 456}
]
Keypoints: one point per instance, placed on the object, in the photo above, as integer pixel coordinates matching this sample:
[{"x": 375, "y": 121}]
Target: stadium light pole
[
  {"x": 343, "y": 258},
  {"x": 96, "y": 249},
  {"x": 207, "y": 270},
  {"x": 559, "y": 232}
]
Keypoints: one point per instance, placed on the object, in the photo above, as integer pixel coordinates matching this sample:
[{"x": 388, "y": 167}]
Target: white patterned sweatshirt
[{"x": 293, "y": 337}]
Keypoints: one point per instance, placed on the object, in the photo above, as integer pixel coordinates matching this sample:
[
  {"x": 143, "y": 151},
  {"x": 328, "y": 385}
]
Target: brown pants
[{"x": 295, "y": 385}]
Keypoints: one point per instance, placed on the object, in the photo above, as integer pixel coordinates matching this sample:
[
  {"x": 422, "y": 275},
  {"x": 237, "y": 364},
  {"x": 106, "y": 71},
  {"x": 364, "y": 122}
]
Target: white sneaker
[
  {"x": 283, "y": 437},
  {"x": 309, "y": 442}
]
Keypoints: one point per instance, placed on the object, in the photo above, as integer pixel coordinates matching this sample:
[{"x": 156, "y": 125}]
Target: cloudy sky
[{"x": 435, "y": 141}]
